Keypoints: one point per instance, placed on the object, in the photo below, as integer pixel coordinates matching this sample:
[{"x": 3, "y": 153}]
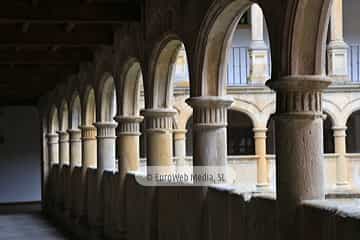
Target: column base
[
  {"x": 342, "y": 187},
  {"x": 263, "y": 187}
]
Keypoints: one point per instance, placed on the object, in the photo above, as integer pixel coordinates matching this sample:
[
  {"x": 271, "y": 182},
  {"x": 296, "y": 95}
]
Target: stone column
[
  {"x": 262, "y": 163},
  {"x": 209, "y": 130},
  {"x": 53, "y": 149},
  {"x": 337, "y": 48},
  {"x": 89, "y": 147},
  {"x": 258, "y": 51},
  {"x": 158, "y": 124},
  {"x": 180, "y": 146},
  {"x": 299, "y": 152},
  {"x": 128, "y": 133},
  {"x": 64, "y": 154},
  {"x": 106, "y": 145},
  {"x": 75, "y": 148},
  {"x": 341, "y": 162}
]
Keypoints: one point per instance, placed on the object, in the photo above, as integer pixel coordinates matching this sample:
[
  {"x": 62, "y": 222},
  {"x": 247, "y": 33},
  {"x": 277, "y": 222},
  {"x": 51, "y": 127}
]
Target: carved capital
[
  {"x": 105, "y": 129},
  {"x": 63, "y": 137},
  {"x": 158, "y": 119},
  {"x": 75, "y": 135},
  {"x": 299, "y": 96},
  {"x": 129, "y": 125},
  {"x": 209, "y": 112},
  {"x": 88, "y": 132},
  {"x": 52, "y": 138}
]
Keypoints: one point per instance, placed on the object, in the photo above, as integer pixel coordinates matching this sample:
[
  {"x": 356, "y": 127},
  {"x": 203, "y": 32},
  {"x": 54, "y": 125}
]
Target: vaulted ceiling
[{"x": 44, "y": 41}]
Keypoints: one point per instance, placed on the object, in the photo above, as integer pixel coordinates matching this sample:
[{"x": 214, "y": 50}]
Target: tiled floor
[{"x": 29, "y": 226}]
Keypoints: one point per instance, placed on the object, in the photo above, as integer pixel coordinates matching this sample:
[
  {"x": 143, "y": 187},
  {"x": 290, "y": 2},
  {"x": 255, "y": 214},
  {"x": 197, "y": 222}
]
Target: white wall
[
  {"x": 20, "y": 172},
  {"x": 351, "y": 9}
]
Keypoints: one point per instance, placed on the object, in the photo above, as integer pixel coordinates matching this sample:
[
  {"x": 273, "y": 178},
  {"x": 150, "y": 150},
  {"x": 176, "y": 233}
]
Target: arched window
[{"x": 352, "y": 133}]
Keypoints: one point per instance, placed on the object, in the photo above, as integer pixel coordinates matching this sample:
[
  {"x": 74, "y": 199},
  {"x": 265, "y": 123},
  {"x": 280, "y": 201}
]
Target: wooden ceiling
[{"x": 44, "y": 41}]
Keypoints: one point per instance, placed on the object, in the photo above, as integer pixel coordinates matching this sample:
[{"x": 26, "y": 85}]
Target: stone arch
[
  {"x": 108, "y": 98},
  {"x": 353, "y": 127},
  {"x": 53, "y": 125},
  {"x": 89, "y": 117},
  {"x": 64, "y": 116},
  {"x": 249, "y": 109},
  {"x": 130, "y": 92},
  {"x": 212, "y": 44},
  {"x": 350, "y": 108},
  {"x": 162, "y": 65},
  {"x": 75, "y": 106}
]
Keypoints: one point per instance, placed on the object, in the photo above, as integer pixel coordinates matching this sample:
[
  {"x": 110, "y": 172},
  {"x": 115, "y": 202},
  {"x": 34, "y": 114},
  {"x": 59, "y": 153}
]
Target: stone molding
[
  {"x": 300, "y": 96},
  {"x": 75, "y": 135},
  {"x": 179, "y": 134},
  {"x": 158, "y": 119},
  {"x": 339, "y": 131},
  {"x": 209, "y": 111},
  {"x": 88, "y": 132},
  {"x": 106, "y": 130},
  {"x": 63, "y": 137},
  {"x": 129, "y": 125},
  {"x": 260, "y": 133},
  {"x": 52, "y": 138}
]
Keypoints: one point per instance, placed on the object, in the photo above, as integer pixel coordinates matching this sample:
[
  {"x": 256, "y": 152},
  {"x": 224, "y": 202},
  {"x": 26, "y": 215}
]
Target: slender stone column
[
  {"x": 75, "y": 148},
  {"x": 299, "y": 152},
  {"x": 258, "y": 50},
  {"x": 209, "y": 129},
  {"x": 337, "y": 48},
  {"x": 53, "y": 149},
  {"x": 262, "y": 163},
  {"x": 128, "y": 133},
  {"x": 158, "y": 124},
  {"x": 341, "y": 162},
  {"x": 64, "y": 154},
  {"x": 180, "y": 146},
  {"x": 89, "y": 147}
]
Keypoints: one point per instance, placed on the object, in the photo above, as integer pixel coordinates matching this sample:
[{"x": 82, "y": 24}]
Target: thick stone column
[
  {"x": 337, "y": 48},
  {"x": 180, "y": 146},
  {"x": 262, "y": 163},
  {"x": 341, "y": 162},
  {"x": 75, "y": 148},
  {"x": 106, "y": 145},
  {"x": 158, "y": 124},
  {"x": 209, "y": 130},
  {"x": 64, "y": 154},
  {"x": 299, "y": 151},
  {"x": 128, "y": 133},
  {"x": 53, "y": 149},
  {"x": 89, "y": 147},
  {"x": 258, "y": 50}
]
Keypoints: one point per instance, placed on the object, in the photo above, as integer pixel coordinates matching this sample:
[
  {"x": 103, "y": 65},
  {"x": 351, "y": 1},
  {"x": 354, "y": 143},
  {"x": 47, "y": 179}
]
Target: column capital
[
  {"x": 129, "y": 125},
  {"x": 158, "y": 119},
  {"x": 88, "y": 132},
  {"x": 179, "y": 134},
  {"x": 339, "y": 131},
  {"x": 106, "y": 129},
  {"x": 299, "y": 95},
  {"x": 52, "y": 138},
  {"x": 75, "y": 135},
  {"x": 210, "y": 111},
  {"x": 260, "y": 133},
  {"x": 63, "y": 136}
]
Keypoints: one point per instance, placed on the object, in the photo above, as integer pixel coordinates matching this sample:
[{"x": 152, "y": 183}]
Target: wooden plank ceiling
[{"x": 44, "y": 41}]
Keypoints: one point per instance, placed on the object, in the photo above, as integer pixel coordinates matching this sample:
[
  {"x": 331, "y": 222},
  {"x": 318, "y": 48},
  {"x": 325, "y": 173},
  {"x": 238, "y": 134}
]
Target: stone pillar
[
  {"x": 106, "y": 145},
  {"x": 337, "y": 48},
  {"x": 258, "y": 51},
  {"x": 299, "y": 152},
  {"x": 341, "y": 162},
  {"x": 262, "y": 163},
  {"x": 75, "y": 148},
  {"x": 209, "y": 130},
  {"x": 64, "y": 154},
  {"x": 180, "y": 146},
  {"x": 158, "y": 124},
  {"x": 53, "y": 149},
  {"x": 89, "y": 147},
  {"x": 128, "y": 133}
]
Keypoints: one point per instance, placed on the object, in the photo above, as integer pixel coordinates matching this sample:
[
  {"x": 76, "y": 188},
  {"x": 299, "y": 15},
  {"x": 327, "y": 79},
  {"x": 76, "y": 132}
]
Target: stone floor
[{"x": 18, "y": 225}]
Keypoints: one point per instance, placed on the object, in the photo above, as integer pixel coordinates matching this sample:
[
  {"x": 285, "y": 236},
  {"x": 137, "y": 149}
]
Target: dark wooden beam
[
  {"x": 45, "y": 58},
  {"x": 56, "y": 37},
  {"x": 58, "y": 12}
]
